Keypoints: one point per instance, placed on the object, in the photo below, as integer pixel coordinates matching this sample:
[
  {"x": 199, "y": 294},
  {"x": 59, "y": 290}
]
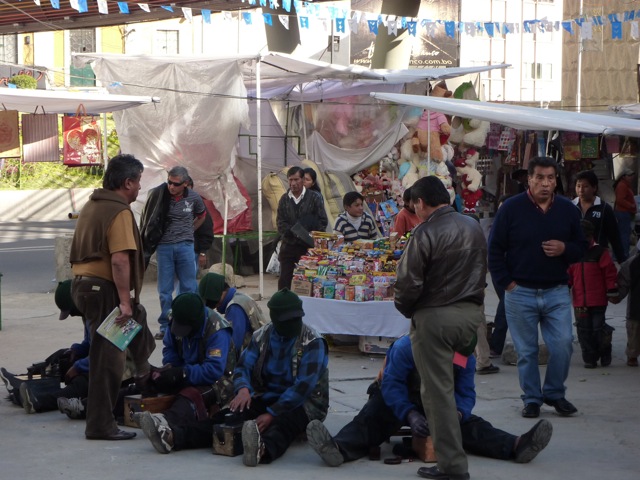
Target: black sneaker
[
  {"x": 11, "y": 382},
  {"x": 321, "y": 441},
  {"x": 563, "y": 407},
  {"x": 29, "y": 400},
  {"x": 488, "y": 370},
  {"x": 531, "y": 410},
  {"x": 533, "y": 442}
]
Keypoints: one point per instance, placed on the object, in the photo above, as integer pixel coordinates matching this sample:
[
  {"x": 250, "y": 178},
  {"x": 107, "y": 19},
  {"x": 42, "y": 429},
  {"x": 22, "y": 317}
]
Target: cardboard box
[
  {"x": 135, "y": 403},
  {"x": 375, "y": 345},
  {"x": 301, "y": 287},
  {"x": 423, "y": 447}
]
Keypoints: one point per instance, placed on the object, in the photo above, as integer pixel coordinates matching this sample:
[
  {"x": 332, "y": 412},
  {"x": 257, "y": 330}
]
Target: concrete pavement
[{"x": 601, "y": 441}]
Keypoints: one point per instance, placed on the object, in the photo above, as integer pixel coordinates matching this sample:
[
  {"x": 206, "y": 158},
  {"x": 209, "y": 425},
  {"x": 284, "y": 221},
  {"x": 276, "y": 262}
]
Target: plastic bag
[{"x": 274, "y": 264}]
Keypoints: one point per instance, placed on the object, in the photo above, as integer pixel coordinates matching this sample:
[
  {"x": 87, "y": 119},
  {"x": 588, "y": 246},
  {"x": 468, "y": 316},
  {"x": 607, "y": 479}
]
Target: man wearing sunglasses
[{"x": 170, "y": 216}]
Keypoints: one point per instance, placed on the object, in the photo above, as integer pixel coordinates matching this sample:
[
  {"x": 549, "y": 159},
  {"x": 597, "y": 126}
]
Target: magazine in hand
[{"x": 119, "y": 335}]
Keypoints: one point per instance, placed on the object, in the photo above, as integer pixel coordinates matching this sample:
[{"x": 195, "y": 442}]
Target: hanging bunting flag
[
  {"x": 325, "y": 25},
  {"x": 353, "y": 24},
  {"x": 568, "y": 27},
  {"x": 252, "y": 2},
  {"x": 479, "y": 27},
  {"x": 168, "y": 8},
  {"x": 206, "y": 16},
  {"x": 273, "y": 4},
  {"x": 373, "y": 26},
  {"x": 526, "y": 25},
  {"x": 412, "y": 27},
  {"x": 470, "y": 29},
  {"x": 103, "y": 7},
  {"x": 597, "y": 20},
  {"x": 586, "y": 32},
  {"x": 509, "y": 27},
  {"x": 284, "y": 20},
  {"x": 74, "y": 4},
  {"x": 628, "y": 16},
  {"x": 82, "y": 6},
  {"x": 431, "y": 28},
  {"x": 392, "y": 27},
  {"x": 304, "y": 22},
  {"x": 297, "y": 4},
  {"x": 286, "y": 4},
  {"x": 450, "y": 29},
  {"x": 267, "y": 19},
  {"x": 340, "y": 25},
  {"x": 613, "y": 18},
  {"x": 55, "y": 4},
  {"x": 188, "y": 14},
  {"x": 489, "y": 28},
  {"x": 145, "y": 7},
  {"x": 333, "y": 12},
  {"x": 635, "y": 32},
  {"x": 579, "y": 21},
  {"x": 37, "y": 2},
  {"x": 263, "y": 3},
  {"x": 616, "y": 30},
  {"x": 124, "y": 7},
  {"x": 246, "y": 16}
]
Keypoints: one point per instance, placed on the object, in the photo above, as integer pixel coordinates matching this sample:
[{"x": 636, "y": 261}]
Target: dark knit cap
[
  {"x": 211, "y": 287},
  {"x": 64, "y": 301},
  {"x": 187, "y": 312},
  {"x": 285, "y": 305}
]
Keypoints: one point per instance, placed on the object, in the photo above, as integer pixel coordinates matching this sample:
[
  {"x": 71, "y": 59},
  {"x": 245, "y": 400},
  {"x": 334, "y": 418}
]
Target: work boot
[
  {"x": 530, "y": 444},
  {"x": 157, "y": 430},
  {"x": 11, "y": 382},
  {"x": 252, "y": 444},
  {"x": 322, "y": 442}
]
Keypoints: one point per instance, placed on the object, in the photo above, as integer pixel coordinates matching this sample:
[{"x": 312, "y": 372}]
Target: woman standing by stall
[{"x": 625, "y": 207}]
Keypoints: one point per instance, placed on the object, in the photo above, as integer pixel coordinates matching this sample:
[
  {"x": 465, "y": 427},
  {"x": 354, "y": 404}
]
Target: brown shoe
[{"x": 632, "y": 362}]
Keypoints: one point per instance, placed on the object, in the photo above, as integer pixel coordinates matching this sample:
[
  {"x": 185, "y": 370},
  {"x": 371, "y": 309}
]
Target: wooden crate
[{"x": 135, "y": 403}]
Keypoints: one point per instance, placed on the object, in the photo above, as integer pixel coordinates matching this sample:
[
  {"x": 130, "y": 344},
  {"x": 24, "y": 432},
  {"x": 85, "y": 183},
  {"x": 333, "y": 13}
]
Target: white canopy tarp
[
  {"x": 521, "y": 117},
  {"x": 54, "y": 101}
]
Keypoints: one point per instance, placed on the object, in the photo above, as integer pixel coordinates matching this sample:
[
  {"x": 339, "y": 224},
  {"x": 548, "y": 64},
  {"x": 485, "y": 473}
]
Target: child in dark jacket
[{"x": 593, "y": 284}]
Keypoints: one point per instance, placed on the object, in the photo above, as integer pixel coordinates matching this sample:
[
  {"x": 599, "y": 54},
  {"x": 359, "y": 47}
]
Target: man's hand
[
  {"x": 241, "y": 401},
  {"x": 169, "y": 380},
  {"x": 615, "y": 300},
  {"x": 511, "y": 286},
  {"x": 70, "y": 375},
  {"x": 553, "y": 248},
  {"x": 418, "y": 423},
  {"x": 202, "y": 261},
  {"x": 263, "y": 421},
  {"x": 126, "y": 312}
]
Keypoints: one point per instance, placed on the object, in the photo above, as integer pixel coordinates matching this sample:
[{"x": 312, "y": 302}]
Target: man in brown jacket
[{"x": 107, "y": 262}]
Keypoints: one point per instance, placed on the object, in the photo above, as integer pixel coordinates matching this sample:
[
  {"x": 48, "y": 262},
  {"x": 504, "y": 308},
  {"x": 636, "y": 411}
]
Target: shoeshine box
[
  {"x": 227, "y": 440},
  {"x": 135, "y": 403},
  {"x": 423, "y": 447}
]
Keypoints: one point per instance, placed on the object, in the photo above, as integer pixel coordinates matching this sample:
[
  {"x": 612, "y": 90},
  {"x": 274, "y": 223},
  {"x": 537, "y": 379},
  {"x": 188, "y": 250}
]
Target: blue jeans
[
  {"x": 174, "y": 260},
  {"x": 624, "y": 227},
  {"x": 550, "y": 308}
]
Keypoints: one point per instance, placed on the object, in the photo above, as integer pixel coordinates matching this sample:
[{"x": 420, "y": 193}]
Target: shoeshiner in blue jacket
[
  {"x": 198, "y": 360},
  {"x": 394, "y": 401}
]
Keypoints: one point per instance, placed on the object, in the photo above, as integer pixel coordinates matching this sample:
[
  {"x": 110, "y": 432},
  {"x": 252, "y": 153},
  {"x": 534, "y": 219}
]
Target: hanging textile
[
  {"x": 40, "y": 137},
  {"x": 9, "y": 134},
  {"x": 82, "y": 139}
]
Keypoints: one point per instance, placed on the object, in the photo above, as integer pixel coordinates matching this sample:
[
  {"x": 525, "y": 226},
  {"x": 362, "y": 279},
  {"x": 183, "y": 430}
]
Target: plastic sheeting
[{"x": 195, "y": 126}]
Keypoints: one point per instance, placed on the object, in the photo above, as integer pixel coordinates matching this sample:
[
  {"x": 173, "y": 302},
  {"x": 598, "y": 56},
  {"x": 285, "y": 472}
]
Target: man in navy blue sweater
[{"x": 535, "y": 236}]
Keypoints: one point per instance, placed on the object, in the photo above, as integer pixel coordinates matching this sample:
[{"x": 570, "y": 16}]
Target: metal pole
[
  {"x": 259, "y": 159},
  {"x": 578, "y": 90},
  {"x": 0, "y": 301}
]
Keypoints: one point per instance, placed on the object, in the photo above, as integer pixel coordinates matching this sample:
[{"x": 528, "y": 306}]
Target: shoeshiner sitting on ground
[
  {"x": 240, "y": 310},
  {"x": 281, "y": 383},
  {"x": 70, "y": 365},
  {"x": 198, "y": 360},
  {"x": 394, "y": 401}
]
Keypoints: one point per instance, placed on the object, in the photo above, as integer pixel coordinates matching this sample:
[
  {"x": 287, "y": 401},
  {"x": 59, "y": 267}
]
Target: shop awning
[
  {"x": 521, "y": 117},
  {"x": 54, "y": 101}
]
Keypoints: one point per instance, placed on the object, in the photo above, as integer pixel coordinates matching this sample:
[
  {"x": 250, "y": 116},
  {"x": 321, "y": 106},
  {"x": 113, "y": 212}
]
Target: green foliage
[
  {"x": 24, "y": 81},
  {"x": 45, "y": 175}
]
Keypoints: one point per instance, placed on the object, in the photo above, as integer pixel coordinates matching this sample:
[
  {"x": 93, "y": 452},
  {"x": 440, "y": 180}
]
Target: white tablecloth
[{"x": 379, "y": 319}]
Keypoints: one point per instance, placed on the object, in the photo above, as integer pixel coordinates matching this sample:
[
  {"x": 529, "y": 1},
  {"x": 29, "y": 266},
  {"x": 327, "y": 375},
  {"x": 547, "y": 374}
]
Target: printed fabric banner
[
  {"x": 82, "y": 139},
  {"x": 9, "y": 134}
]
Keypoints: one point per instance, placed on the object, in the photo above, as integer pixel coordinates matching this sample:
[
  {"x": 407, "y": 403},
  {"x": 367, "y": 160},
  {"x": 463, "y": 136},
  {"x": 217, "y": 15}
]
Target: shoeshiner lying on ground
[
  {"x": 394, "y": 401},
  {"x": 281, "y": 383}
]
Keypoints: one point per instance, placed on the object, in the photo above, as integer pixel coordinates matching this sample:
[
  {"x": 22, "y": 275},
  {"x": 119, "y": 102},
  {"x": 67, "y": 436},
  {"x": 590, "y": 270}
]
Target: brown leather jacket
[{"x": 444, "y": 262}]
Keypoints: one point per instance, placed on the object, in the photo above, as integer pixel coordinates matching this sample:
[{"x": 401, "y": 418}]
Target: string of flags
[{"x": 346, "y": 20}]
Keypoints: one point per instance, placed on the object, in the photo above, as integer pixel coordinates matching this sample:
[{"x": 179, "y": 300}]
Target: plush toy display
[
  {"x": 470, "y": 178},
  {"x": 409, "y": 162},
  {"x": 432, "y": 125},
  {"x": 468, "y": 131}
]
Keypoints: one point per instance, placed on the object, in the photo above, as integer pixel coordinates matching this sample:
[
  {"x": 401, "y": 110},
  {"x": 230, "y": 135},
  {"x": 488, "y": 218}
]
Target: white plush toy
[
  {"x": 471, "y": 179},
  {"x": 409, "y": 175}
]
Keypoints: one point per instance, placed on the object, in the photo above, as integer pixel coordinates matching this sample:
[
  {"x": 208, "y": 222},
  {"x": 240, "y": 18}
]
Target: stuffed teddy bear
[
  {"x": 468, "y": 131},
  {"x": 470, "y": 178},
  {"x": 409, "y": 162},
  {"x": 439, "y": 126}
]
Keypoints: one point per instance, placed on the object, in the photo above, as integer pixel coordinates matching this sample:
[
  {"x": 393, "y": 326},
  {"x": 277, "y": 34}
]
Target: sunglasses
[{"x": 175, "y": 184}]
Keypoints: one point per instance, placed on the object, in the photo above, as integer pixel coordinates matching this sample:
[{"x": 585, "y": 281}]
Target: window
[
  {"x": 8, "y": 48},
  {"x": 166, "y": 42},
  {"x": 538, "y": 71},
  {"x": 82, "y": 40}
]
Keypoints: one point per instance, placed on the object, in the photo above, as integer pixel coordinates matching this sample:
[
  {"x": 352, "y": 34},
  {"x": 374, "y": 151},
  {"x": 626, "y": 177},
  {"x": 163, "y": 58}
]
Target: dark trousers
[
  {"x": 375, "y": 423},
  {"x": 500, "y": 327},
  {"x": 289, "y": 256},
  {"x": 47, "y": 401},
  {"x": 284, "y": 429},
  {"x": 96, "y": 298},
  {"x": 590, "y": 328}
]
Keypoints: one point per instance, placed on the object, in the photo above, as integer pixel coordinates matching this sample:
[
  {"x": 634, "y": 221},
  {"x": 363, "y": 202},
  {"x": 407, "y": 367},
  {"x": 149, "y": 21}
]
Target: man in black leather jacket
[{"x": 440, "y": 286}]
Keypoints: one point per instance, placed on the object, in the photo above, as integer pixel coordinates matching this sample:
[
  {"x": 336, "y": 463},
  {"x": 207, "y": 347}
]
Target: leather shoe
[
  {"x": 433, "y": 472},
  {"x": 117, "y": 435},
  {"x": 531, "y": 410},
  {"x": 563, "y": 407}
]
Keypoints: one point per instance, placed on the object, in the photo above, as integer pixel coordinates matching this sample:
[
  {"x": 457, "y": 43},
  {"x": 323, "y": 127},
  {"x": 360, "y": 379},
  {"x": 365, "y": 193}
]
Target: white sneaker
[
  {"x": 157, "y": 430},
  {"x": 72, "y": 407},
  {"x": 252, "y": 444}
]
